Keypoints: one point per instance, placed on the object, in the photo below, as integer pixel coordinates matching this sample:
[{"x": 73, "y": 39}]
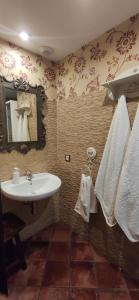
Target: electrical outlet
[{"x": 67, "y": 157}]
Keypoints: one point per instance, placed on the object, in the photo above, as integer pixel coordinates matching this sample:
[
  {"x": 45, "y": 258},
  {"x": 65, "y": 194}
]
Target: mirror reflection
[{"x": 21, "y": 117}]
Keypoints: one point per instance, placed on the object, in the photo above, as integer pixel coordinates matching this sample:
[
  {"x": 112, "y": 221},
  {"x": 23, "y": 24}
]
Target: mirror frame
[{"x": 38, "y": 90}]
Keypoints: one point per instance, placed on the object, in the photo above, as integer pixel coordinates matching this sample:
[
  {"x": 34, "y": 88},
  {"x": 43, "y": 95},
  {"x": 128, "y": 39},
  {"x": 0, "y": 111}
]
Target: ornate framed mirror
[{"x": 21, "y": 116}]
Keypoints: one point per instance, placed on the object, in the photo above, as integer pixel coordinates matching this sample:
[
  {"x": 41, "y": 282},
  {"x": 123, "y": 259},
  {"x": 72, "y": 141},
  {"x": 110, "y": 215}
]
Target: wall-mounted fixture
[
  {"x": 21, "y": 117},
  {"x": 46, "y": 51},
  {"x": 67, "y": 157},
  {"x": 91, "y": 156},
  {"x": 126, "y": 83},
  {"x": 91, "y": 153}
]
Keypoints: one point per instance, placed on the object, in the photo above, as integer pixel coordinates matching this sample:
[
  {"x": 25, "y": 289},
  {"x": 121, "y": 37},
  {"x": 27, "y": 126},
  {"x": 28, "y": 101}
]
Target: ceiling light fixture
[
  {"x": 24, "y": 36},
  {"x": 46, "y": 50}
]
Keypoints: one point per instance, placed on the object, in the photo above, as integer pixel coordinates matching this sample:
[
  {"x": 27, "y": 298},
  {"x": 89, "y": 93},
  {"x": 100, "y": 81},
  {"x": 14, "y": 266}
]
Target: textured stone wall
[
  {"x": 83, "y": 119},
  {"x": 85, "y": 122}
]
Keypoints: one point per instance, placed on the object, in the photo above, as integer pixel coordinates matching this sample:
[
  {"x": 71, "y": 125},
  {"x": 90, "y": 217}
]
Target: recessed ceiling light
[{"x": 24, "y": 36}]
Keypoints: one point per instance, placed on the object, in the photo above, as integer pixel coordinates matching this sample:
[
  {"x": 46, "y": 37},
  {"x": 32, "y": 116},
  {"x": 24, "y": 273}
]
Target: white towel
[
  {"x": 112, "y": 161},
  {"x": 127, "y": 200},
  {"x": 86, "y": 202}
]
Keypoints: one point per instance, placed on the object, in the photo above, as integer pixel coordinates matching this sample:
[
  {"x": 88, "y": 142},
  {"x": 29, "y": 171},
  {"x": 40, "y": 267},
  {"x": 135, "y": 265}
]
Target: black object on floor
[{"x": 11, "y": 250}]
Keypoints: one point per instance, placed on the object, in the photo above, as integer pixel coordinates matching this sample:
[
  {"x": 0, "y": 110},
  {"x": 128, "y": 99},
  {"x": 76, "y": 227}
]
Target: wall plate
[{"x": 67, "y": 157}]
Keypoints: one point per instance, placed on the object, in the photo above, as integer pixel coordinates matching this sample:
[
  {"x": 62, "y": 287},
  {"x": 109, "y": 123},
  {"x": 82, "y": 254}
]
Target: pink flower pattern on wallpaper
[
  {"x": 62, "y": 71},
  {"x": 62, "y": 94},
  {"x": 26, "y": 62},
  {"x": 113, "y": 63},
  {"x": 72, "y": 92},
  {"x": 93, "y": 84},
  {"x": 50, "y": 74},
  {"x": 83, "y": 69},
  {"x": 132, "y": 57},
  {"x": 23, "y": 75},
  {"x": 97, "y": 53},
  {"x": 7, "y": 60},
  {"x": 110, "y": 77},
  {"x": 79, "y": 64},
  {"x": 110, "y": 35},
  {"x": 134, "y": 18},
  {"x": 79, "y": 73},
  {"x": 70, "y": 58},
  {"x": 126, "y": 41},
  {"x": 92, "y": 71},
  {"x": 16, "y": 62}
]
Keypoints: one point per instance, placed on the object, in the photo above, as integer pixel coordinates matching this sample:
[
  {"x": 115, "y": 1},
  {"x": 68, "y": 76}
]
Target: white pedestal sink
[{"x": 43, "y": 185}]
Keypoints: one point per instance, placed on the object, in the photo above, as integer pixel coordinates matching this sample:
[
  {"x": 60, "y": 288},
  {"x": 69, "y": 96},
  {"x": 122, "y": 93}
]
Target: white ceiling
[{"x": 65, "y": 25}]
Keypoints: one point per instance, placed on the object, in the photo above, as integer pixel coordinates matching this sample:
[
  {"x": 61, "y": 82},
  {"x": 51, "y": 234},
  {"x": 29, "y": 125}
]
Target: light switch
[{"x": 67, "y": 157}]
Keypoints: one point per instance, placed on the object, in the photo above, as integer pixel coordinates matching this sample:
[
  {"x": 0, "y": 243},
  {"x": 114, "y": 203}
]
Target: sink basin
[{"x": 43, "y": 186}]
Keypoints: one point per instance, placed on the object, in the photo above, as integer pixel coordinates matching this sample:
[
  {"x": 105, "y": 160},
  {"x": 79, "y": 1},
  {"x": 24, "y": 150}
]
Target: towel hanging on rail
[
  {"x": 86, "y": 202},
  {"x": 127, "y": 200},
  {"x": 112, "y": 161}
]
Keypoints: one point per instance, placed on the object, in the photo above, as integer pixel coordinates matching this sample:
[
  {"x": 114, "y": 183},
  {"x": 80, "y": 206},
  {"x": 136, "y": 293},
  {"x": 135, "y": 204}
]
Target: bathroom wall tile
[
  {"x": 32, "y": 276},
  {"x": 56, "y": 274},
  {"x": 28, "y": 293},
  {"x": 82, "y": 252},
  {"x": 54, "y": 294},
  {"x": 83, "y": 294},
  {"x": 134, "y": 295},
  {"x": 114, "y": 295},
  {"x": 108, "y": 276},
  {"x": 83, "y": 275},
  {"x": 59, "y": 251},
  {"x": 61, "y": 233}
]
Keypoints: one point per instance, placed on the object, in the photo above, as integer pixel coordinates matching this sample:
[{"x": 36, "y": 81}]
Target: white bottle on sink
[{"x": 15, "y": 175}]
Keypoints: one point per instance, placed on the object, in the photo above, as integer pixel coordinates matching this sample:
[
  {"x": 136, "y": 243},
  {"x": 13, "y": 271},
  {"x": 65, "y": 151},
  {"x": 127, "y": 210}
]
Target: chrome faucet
[{"x": 29, "y": 175}]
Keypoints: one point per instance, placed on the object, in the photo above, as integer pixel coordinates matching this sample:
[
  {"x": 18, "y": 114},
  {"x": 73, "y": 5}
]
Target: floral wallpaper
[
  {"x": 83, "y": 72},
  {"x": 79, "y": 73},
  {"x": 16, "y": 62}
]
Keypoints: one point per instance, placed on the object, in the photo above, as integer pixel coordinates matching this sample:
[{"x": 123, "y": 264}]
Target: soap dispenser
[{"x": 15, "y": 175}]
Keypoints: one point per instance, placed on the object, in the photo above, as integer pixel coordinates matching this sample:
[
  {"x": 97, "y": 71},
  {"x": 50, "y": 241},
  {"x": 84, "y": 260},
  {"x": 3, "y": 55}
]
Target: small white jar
[{"x": 15, "y": 175}]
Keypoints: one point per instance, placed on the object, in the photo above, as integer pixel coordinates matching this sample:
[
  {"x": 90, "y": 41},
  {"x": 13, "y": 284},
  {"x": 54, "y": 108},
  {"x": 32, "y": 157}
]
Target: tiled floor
[{"x": 61, "y": 267}]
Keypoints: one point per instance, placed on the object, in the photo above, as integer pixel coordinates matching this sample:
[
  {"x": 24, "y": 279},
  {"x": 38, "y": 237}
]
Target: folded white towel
[
  {"x": 112, "y": 161},
  {"x": 127, "y": 200},
  {"x": 86, "y": 202}
]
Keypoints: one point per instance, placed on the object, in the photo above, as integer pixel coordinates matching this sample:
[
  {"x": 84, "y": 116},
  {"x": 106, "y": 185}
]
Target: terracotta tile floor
[{"x": 63, "y": 267}]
